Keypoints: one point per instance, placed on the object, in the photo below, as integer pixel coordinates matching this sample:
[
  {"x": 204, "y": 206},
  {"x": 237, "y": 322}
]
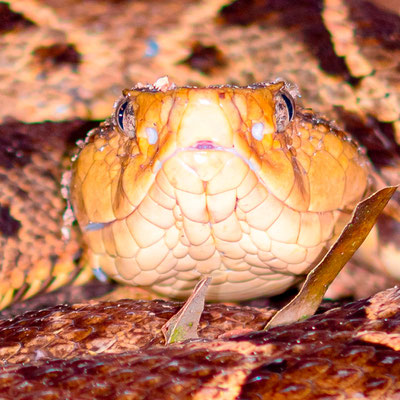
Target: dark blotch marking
[
  {"x": 302, "y": 18},
  {"x": 16, "y": 149},
  {"x": 19, "y": 141},
  {"x": 77, "y": 130},
  {"x": 377, "y": 137},
  {"x": 9, "y": 226},
  {"x": 205, "y": 58},
  {"x": 375, "y": 25},
  {"x": 58, "y": 54},
  {"x": 11, "y": 21},
  {"x": 279, "y": 365}
]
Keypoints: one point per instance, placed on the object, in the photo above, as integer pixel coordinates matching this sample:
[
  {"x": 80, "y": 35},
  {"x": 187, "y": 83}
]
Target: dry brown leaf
[{"x": 183, "y": 325}]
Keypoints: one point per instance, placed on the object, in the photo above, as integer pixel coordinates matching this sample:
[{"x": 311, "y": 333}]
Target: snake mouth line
[{"x": 205, "y": 145}]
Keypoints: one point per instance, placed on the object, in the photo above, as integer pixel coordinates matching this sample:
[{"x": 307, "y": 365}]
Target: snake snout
[{"x": 204, "y": 123}]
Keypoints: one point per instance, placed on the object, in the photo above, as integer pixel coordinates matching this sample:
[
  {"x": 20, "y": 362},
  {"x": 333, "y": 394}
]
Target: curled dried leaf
[{"x": 183, "y": 325}]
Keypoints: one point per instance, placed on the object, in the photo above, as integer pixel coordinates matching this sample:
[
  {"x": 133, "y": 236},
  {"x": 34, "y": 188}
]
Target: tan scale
[{"x": 236, "y": 183}]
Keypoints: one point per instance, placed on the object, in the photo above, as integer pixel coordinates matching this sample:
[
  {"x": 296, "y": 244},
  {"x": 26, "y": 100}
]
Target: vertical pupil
[
  {"x": 120, "y": 115},
  {"x": 289, "y": 105}
]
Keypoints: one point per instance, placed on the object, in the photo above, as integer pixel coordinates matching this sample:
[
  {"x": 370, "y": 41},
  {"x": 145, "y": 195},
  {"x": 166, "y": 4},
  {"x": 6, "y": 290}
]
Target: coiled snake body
[{"x": 235, "y": 181}]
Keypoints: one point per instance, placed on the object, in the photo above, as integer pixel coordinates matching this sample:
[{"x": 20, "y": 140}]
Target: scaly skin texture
[
  {"x": 73, "y": 58},
  {"x": 33, "y": 253},
  {"x": 115, "y": 351},
  {"x": 187, "y": 182}
]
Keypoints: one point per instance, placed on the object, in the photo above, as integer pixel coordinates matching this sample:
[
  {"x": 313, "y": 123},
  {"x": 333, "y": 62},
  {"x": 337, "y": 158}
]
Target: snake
[{"x": 281, "y": 184}]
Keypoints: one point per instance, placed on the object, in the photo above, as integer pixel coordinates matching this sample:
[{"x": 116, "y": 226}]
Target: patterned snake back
[{"x": 73, "y": 58}]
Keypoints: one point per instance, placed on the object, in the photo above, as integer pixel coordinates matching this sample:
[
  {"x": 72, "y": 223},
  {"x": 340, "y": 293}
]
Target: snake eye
[
  {"x": 125, "y": 117},
  {"x": 285, "y": 107}
]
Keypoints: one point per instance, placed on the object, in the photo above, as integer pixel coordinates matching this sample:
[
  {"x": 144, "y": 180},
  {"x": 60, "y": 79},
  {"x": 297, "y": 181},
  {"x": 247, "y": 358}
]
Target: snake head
[{"x": 234, "y": 182}]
